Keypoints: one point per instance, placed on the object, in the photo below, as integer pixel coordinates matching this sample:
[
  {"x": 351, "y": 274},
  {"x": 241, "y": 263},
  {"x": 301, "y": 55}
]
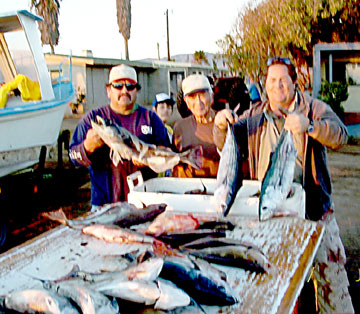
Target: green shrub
[{"x": 333, "y": 94}]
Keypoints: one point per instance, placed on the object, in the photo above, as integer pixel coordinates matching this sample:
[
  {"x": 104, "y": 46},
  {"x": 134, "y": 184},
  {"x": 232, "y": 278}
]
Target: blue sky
[{"x": 92, "y": 25}]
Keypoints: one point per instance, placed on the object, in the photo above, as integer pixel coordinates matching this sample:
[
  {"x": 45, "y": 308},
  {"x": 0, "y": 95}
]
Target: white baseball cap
[
  {"x": 121, "y": 72},
  {"x": 194, "y": 83}
]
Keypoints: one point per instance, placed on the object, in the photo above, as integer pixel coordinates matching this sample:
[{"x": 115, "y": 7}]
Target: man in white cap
[
  {"x": 196, "y": 130},
  {"x": 108, "y": 182}
]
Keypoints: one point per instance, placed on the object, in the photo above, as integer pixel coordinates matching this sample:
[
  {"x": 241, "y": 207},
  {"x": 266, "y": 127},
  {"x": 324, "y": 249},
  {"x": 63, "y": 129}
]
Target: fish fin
[
  {"x": 57, "y": 215},
  {"x": 144, "y": 149},
  {"x": 193, "y": 157},
  {"x": 115, "y": 157}
]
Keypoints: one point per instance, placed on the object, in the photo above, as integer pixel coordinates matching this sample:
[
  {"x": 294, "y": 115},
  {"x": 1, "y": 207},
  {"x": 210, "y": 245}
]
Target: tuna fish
[
  {"x": 228, "y": 180},
  {"x": 147, "y": 270},
  {"x": 229, "y": 252},
  {"x": 88, "y": 299},
  {"x": 171, "y": 296},
  {"x": 37, "y": 301},
  {"x": 138, "y": 291},
  {"x": 120, "y": 213},
  {"x": 203, "y": 287},
  {"x": 175, "y": 239},
  {"x": 124, "y": 145},
  {"x": 115, "y": 234},
  {"x": 278, "y": 178}
]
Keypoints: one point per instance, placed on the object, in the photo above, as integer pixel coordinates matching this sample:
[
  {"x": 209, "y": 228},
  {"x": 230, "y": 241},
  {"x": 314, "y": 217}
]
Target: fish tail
[
  {"x": 57, "y": 215},
  {"x": 115, "y": 157},
  {"x": 193, "y": 157},
  {"x": 2, "y": 303}
]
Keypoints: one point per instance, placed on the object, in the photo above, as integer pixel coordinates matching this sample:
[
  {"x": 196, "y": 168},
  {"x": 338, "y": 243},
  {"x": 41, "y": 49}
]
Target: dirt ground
[
  {"x": 345, "y": 173},
  {"x": 74, "y": 198}
]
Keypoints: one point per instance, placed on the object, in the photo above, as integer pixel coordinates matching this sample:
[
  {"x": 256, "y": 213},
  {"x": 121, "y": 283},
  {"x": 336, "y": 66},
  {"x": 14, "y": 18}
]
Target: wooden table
[{"x": 289, "y": 243}]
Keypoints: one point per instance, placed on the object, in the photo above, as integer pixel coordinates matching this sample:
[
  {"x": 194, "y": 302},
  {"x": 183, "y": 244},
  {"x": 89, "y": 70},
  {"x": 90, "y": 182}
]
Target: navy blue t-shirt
[{"x": 108, "y": 182}]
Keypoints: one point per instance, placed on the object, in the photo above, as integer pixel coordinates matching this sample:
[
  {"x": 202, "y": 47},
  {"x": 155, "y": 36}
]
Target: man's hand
[
  {"x": 137, "y": 163},
  {"x": 224, "y": 117},
  {"x": 92, "y": 141},
  {"x": 296, "y": 123}
]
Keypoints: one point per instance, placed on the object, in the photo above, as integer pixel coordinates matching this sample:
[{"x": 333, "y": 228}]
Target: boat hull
[{"x": 26, "y": 128}]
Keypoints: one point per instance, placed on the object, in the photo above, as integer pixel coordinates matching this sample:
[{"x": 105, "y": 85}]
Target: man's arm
[
  {"x": 328, "y": 129},
  {"x": 222, "y": 119},
  {"x": 83, "y": 143},
  {"x": 323, "y": 125}
]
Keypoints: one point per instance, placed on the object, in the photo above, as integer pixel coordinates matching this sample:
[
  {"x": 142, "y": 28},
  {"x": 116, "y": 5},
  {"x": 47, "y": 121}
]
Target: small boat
[{"x": 28, "y": 127}]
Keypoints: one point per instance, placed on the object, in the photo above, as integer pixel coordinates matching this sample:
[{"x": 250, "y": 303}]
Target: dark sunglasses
[
  {"x": 278, "y": 60},
  {"x": 120, "y": 86}
]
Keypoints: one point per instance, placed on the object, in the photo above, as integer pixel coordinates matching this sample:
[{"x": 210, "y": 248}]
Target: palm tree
[
  {"x": 123, "y": 8},
  {"x": 49, "y": 28},
  {"x": 200, "y": 57}
]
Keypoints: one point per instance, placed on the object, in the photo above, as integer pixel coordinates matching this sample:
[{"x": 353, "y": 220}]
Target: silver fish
[
  {"x": 88, "y": 299},
  {"x": 148, "y": 270},
  {"x": 278, "y": 179},
  {"x": 139, "y": 291},
  {"x": 202, "y": 286},
  {"x": 119, "y": 213},
  {"x": 235, "y": 255},
  {"x": 171, "y": 296},
  {"x": 124, "y": 145},
  {"x": 109, "y": 213},
  {"x": 228, "y": 180},
  {"x": 37, "y": 301},
  {"x": 115, "y": 234},
  {"x": 229, "y": 252}
]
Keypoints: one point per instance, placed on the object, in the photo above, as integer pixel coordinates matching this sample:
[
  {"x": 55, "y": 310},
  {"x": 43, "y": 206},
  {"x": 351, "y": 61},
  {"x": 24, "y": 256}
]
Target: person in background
[
  {"x": 163, "y": 105},
  {"x": 196, "y": 129},
  {"x": 109, "y": 182},
  {"x": 253, "y": 91},
  {"x": 314, "y": 126}
]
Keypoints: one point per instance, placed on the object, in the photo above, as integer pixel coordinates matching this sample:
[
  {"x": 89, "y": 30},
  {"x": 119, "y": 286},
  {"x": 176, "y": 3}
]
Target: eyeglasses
[
  {"x": 278, "y": 60},
  {"x": 120, "y": 86}
]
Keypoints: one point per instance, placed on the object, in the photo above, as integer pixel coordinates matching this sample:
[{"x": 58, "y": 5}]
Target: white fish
[
  {"x": 37, "y": 301},
  {"x": 171, "y": 296},
  {"x": 139, "y": 291},
  {"x": 115, "y": 234},
  {"x": 278, "y": 178},
  {"x": 108, "y": 213},
  {"x": 124, "y": 145},
  {"x": 147, "y": 270},
  {"x": 88, "y": 299}
]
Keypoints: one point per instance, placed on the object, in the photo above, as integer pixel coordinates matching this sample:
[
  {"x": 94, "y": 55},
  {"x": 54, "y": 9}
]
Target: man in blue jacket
[{"x": 108, "y": 182}]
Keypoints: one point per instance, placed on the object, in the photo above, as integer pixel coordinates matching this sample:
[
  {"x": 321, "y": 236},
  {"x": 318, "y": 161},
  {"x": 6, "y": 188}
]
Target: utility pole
[
  {"x": 158, "y": 50},
  {"x": 167, "y": 33}
]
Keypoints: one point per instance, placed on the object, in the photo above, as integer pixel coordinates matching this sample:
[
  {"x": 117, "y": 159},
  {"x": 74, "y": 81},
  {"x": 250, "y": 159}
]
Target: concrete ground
[{"x": 345, "y": 174}]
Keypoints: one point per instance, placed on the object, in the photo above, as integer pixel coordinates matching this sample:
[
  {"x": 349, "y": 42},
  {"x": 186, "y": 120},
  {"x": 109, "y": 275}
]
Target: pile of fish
[
  {"x": 173, "y": 272},
  {"x": 278, "y": 179},
  {"x": 124, "y": 145}
]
